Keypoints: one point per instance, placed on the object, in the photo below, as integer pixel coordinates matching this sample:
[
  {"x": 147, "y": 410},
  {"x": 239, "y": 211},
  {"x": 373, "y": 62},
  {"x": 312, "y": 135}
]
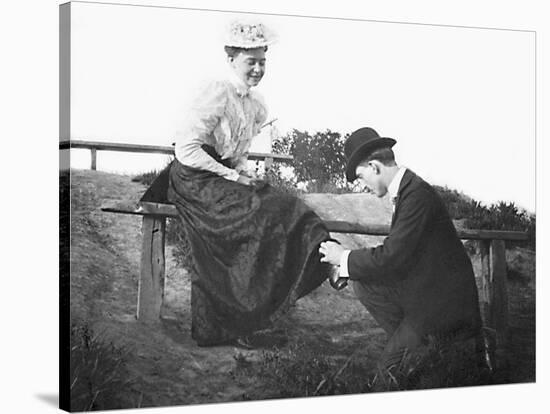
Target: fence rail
[
  {"x": 169, "y": 210},
  {"x": 95, "y": 146}
]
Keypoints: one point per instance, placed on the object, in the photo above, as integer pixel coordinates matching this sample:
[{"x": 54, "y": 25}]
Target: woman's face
[{"x": 249, "y": 65}]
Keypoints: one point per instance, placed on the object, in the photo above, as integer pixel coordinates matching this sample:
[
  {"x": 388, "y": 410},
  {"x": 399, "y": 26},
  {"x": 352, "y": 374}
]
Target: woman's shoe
[
  {"x": 243, "y": 342},
  {"x": 335, "y": 280}
]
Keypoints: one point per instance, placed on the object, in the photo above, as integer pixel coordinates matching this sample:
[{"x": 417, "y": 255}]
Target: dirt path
[{"x": 164, "y": 365}]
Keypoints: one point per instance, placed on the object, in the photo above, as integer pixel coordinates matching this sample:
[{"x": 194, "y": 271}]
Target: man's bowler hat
[{"x": 360, "y": 145}]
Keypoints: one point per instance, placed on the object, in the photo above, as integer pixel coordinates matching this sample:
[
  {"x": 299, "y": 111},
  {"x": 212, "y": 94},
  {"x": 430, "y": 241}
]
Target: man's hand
[{"x": 332, "y": 252}]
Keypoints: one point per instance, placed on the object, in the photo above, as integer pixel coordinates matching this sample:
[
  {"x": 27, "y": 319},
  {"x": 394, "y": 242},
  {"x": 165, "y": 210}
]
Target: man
[{"x": 420, "y": 281}]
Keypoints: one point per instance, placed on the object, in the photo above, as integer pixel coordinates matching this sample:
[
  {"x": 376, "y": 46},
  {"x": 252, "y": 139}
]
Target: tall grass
[
  {"x": 98, "y": 374},
  {"x": 304, "y": 371},
  {"x": 498, "y": 216}
]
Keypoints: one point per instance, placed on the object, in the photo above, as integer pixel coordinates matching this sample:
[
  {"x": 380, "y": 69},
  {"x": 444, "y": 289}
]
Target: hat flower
[{"x": 249, "y": 35}]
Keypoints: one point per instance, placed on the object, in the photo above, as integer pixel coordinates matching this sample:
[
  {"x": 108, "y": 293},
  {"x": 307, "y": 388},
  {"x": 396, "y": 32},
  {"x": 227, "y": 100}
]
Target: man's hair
[
  {"x": 383, "y": 155},
  {"x": 233, "y": 51}
]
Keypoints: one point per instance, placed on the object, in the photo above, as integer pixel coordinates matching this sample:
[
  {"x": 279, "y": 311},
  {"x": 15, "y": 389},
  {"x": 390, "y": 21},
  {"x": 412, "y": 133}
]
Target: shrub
[
  {"x": 275, "y": 178},
  {"x": 318, "y": 157},
  {"x": 146, "y": 178},
  {"x": 499, "y": 216}
]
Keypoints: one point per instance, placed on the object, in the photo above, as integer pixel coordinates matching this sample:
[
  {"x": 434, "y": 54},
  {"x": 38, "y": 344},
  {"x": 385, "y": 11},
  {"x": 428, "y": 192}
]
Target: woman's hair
[
  {"x": 233, "y": 51},
  {"x": 384, "y": 155}
]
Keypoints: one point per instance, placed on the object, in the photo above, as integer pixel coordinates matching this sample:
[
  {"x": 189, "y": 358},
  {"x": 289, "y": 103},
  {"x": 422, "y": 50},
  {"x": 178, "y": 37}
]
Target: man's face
[
  {"x": 249, "y": 65},
  {"x": 370, "y": 178}
]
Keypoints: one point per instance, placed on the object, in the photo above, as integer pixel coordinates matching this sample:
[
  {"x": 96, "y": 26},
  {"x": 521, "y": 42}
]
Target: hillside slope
[{"x": 163, "y": 365}]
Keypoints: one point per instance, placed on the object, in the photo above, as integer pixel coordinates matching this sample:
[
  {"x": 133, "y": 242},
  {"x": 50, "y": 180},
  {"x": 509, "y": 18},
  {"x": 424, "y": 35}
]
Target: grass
[
  {"x": 300, "y": 371},
  {"x": 146, "y": 178},
  {"x": 303, "y": 371},
  {"x": 98, "y": 377}
]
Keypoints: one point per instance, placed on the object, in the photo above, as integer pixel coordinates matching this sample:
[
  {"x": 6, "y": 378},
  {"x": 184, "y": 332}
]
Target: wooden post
[
  {"x": 494, "y": 296},
  {"x": 94, "y": 158},
  {"x": 485, "y": 287},
  {"x": 499, "y": 291},
  {"x": 151, "y": 282},
  {"x": 488, "y": 334},
  {"x": 268, "y": 162}
]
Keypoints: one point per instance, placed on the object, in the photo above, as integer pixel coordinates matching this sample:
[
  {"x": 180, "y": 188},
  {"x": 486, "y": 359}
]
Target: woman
[{"x": 253, "y": 250}]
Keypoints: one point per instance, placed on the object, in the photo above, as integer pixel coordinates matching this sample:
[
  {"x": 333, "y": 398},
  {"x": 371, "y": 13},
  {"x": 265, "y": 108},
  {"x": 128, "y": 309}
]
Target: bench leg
[
  {"x": 494, "y": 297},
  {"x": 151, "y": 282},
  {"x": 499, "y": 291}
]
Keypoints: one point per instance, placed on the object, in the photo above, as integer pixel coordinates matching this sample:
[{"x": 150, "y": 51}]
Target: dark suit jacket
[{"x": 425, "y": 259}]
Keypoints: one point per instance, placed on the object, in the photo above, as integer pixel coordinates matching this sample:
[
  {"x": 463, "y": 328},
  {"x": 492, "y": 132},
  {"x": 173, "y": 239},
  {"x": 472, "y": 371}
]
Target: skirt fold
[{"x": 254, "y": 252}]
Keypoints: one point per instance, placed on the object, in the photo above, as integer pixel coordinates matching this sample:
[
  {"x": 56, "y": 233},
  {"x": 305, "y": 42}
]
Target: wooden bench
[{"x": 493, "y": 290}]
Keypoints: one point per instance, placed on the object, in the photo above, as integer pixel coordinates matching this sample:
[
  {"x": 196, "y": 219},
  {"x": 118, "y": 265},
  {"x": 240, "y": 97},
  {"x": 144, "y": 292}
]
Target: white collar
[
  {"x": 393, "y": 188},
  {"x": 240, "y": 86}
]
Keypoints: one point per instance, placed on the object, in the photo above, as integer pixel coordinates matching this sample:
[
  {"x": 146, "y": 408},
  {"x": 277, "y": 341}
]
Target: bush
[
  {"x": 318, "y": 157},
  {"x": 276, "y": 179},
  {"x": 499, "y": 216},
  {"x": 146, "y": 178}
]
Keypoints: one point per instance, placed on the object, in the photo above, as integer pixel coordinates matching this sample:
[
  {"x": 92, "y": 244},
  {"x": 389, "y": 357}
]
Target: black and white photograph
[
  {"x": 267, "y": 206},
  {"x": 293, "y": 206}
]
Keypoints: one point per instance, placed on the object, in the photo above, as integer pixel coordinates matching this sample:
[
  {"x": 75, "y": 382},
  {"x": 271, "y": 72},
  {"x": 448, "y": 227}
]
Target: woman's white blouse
[{"x": 225, "y": 115}]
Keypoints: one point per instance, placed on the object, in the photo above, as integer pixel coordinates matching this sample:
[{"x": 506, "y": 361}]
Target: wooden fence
[{"x": 96, "y": 146}]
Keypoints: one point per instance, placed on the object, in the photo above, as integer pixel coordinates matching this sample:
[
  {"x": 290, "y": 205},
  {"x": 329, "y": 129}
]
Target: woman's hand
[
  {"x": 255, "y": 182},
  {"x": 243, "y": 179}
]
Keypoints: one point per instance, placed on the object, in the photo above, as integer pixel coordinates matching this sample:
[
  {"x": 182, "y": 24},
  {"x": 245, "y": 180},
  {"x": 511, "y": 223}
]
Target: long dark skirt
[{"x": 254, "y": 252}]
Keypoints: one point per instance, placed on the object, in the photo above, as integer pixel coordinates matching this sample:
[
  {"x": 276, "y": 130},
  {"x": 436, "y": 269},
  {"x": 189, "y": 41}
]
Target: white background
[
  {"x": 453, "y": 97},
  {"x": 29, "y": 130}
]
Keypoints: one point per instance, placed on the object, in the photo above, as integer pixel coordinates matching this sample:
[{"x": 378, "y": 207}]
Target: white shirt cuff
[
  {"x": 233, "y": 175},
  {"x": 344, "y": 264}
]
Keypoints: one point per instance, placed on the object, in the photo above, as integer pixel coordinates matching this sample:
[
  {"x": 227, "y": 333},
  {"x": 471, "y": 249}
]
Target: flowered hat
[{"x": 248, "y": 35}]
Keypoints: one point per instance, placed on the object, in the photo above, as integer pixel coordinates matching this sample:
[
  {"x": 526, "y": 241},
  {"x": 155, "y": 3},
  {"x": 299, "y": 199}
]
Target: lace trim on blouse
[{"x": 226, "y": 117}]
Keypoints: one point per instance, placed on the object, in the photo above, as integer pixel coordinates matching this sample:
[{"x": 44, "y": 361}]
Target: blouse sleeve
[
  {"x": 241, "y": 163},
  {"x": 201, "y": 119}
]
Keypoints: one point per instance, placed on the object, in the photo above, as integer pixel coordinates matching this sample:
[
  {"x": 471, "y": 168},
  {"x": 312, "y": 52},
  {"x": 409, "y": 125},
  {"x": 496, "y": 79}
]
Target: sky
[{"x": 459, "y": 101}]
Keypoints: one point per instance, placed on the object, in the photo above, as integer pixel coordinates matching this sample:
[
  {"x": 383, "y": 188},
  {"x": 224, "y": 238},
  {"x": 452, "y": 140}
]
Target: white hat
[{"x": 248, "y": 35}]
